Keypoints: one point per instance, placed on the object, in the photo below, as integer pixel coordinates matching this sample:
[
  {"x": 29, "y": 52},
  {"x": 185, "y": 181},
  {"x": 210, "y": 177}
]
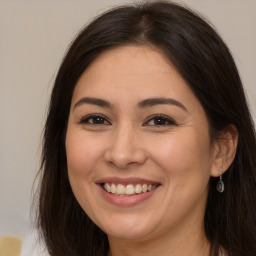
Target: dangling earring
[{"x": 220, "y": 184}]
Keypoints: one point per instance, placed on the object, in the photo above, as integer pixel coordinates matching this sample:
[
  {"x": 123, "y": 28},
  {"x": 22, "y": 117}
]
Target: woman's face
[{"x": 136, "y": 126}]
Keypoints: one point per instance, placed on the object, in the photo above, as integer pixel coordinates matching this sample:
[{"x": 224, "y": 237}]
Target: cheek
[
  {"x": 81, "y": 158},
  {"x": 186, "y": 153},
  {"x": 82, "y": 153},
  {"x": 185, "y": 160}
]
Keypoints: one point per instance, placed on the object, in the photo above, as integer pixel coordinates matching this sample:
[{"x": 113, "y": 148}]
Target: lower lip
[{"x": 126, "y": 200}]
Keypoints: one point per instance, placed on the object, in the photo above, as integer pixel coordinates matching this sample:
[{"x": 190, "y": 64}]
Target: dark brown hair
[{"x": 205, "y": 63}]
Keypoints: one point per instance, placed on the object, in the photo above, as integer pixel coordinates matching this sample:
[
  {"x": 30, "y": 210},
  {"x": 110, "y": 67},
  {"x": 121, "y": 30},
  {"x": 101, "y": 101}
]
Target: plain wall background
[{"x": 34, "y": 37}]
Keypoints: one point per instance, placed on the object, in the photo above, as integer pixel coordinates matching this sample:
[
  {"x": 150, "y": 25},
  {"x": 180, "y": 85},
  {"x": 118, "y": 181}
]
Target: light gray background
[{"x": 34, "y": 36}]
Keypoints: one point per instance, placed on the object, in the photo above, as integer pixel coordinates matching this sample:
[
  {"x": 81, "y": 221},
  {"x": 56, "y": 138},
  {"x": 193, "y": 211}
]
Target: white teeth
[
  {"x": 129, "y": 189},
  {"x": 113, "y": 188},
  {"x": 144, "y": 188},
  {"x": 120, "y": 189},
  {"x": 107, "y": 187},
  {"x": 138, "y": 189}
]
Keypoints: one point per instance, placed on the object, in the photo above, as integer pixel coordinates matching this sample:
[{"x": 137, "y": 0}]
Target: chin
[
  {"x": 132, "y": 233},
  {"x": 128, "y": 227}
]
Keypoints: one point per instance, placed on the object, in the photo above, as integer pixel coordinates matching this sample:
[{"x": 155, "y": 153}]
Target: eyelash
[
  {"x": 161, "y": 118},
  {"x": 98, "y": 119}
]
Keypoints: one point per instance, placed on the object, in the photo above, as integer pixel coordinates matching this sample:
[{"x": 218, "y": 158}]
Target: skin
[{"x": 127, "y": 142}]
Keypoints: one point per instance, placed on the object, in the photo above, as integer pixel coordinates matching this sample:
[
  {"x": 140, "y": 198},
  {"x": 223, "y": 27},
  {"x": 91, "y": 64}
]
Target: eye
[
  {"x": 159, "y": 120},
  {"x": 94, "y": 120}
]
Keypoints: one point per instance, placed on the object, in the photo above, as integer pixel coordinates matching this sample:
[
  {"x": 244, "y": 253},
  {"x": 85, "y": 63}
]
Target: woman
[{"x": 149, "y": 146}]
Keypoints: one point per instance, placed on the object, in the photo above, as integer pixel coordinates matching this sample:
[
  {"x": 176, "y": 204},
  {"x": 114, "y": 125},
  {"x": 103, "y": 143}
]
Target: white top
[{"x": 32, "y": 246}]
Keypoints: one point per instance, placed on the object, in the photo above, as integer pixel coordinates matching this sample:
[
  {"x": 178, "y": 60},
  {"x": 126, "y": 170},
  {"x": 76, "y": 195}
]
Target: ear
[{"x": 224, "y": 150}]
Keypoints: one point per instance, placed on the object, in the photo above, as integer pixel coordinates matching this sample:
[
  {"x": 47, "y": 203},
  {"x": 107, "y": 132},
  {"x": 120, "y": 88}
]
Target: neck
[{"x": 191, "y": 243}]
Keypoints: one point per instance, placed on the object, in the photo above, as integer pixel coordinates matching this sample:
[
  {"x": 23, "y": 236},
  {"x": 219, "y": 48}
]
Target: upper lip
[{"x": 126, "y": 181}]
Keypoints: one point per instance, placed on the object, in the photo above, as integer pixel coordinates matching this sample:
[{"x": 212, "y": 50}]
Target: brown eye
[
  {"x": 95, "y": 120},
  {"x": 160, "y": 121}
]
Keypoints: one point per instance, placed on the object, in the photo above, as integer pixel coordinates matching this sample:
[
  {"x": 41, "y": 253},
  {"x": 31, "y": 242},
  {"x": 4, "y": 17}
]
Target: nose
[{"x": 125, "y": 149}]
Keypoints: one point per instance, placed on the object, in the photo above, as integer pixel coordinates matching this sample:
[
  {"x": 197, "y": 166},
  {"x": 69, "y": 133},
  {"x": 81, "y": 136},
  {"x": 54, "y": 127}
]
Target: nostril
[{"x": 124, "y": 158}]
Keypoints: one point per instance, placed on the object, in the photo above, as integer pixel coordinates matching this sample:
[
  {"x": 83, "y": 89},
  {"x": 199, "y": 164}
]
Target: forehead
[
  {"x": 144, "y": 59},
  {"x": 136, "y": 71}
]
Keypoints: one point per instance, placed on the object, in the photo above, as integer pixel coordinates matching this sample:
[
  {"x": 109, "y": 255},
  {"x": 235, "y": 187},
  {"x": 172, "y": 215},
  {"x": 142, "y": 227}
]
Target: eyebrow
[
  {"x": 161, "y": 101},
  {"x": 142, "y": 104},
  {"x": 93, "y": 101}
]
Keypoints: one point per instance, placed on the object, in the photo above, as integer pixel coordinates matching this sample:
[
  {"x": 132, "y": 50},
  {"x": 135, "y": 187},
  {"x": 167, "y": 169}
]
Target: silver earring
[{"x": 220, "y": 185}]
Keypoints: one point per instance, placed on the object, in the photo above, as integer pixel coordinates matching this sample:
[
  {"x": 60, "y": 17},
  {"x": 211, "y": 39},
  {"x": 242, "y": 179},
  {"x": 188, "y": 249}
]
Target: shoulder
[{"x": 33, "y": 246}]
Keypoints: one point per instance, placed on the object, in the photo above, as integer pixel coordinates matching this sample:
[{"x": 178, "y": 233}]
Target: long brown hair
[{"x": 205, "y": 63}]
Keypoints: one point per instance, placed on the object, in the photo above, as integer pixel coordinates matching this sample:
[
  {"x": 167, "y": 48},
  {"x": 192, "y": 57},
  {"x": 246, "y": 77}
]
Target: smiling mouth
[{"x": 128, "y": 190}]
